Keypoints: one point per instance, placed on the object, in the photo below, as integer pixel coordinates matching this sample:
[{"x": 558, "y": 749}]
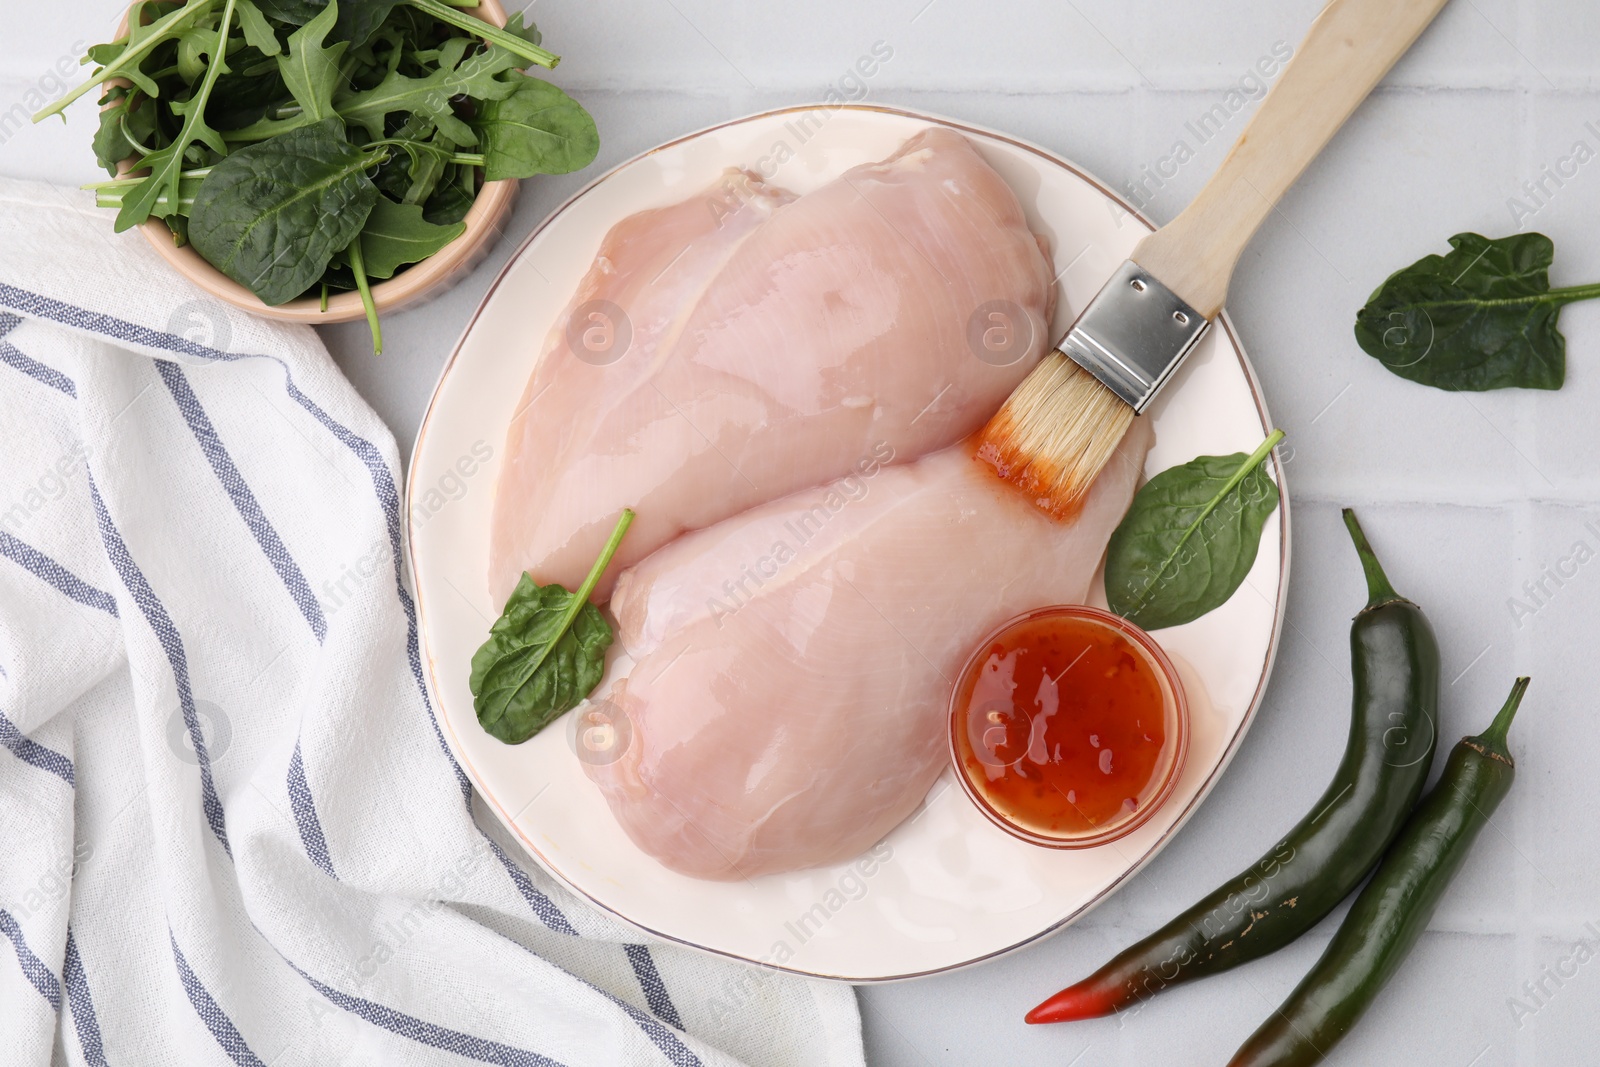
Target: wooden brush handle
[{"x": 1350, "y": 47}]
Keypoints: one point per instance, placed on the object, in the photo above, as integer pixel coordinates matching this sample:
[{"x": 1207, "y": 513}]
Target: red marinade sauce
[{"x": 1065, "y": 721}]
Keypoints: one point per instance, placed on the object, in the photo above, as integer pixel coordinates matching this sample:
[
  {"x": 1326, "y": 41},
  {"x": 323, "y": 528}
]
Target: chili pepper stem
[
  {"x": 1492, "y": 742},
  {"x": 1379, "y": 591}
]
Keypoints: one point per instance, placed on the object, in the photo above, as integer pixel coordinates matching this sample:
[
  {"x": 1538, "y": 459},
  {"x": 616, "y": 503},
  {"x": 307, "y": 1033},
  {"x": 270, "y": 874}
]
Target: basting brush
[{"x": 1061, "y": 425}]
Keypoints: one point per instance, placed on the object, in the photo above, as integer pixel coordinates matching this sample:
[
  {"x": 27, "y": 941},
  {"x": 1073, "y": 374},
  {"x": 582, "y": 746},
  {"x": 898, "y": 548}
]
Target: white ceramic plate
[{"x": 946, "y": 888}]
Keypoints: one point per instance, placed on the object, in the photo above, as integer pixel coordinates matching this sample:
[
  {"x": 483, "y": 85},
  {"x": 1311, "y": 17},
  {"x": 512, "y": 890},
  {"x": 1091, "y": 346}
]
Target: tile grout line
[{"x": 1523, "y": 1049}]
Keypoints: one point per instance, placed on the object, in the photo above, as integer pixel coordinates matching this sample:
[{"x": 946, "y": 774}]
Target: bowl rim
[
  {"x": 1165, "y": 670},
  {"x": 418, "y": 280}
]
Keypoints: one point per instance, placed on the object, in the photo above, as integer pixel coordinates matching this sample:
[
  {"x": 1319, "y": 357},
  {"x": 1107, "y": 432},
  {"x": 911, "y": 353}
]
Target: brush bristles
[{"x": 1054, "y": 435}]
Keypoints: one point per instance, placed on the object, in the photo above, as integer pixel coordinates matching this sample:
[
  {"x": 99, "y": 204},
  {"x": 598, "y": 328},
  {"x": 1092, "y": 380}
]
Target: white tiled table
[{"x": 1467, "y": 496}]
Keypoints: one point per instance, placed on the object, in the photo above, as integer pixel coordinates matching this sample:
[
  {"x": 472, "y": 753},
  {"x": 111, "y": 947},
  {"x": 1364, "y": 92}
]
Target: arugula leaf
[
  {"x": 524, "y": 41},
  {"x": 1482, "y": 316},
  {"x": 310, "y": 70},
  {"x": 1190, "y": 538},
  {"x": 140, "y": 41},
  {"x": 272, "y": 215},
  {"x": 458, "y": 74},
  {"x": 397, "y": 234},
  {"x": 158, "y": 194},
  {"x": 195, "y": 47},
  {"x": 545, "y": 653},
  {"x": 537, "y": 129},
  {"x": 258, "y": 32}
]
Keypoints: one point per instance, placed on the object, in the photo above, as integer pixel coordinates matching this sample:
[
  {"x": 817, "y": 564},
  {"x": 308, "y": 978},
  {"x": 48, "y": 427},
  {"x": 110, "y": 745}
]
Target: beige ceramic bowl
[{"x": 433, "y": 275}]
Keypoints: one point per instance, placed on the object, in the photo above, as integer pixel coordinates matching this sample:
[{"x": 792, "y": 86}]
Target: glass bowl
[{"x": 1062, "y": 760}]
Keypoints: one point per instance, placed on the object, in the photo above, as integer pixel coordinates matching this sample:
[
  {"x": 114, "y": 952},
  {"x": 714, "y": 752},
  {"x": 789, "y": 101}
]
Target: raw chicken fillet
[
  {"x": 744, "y": 344},
  {"x": 793, "y": 665}
]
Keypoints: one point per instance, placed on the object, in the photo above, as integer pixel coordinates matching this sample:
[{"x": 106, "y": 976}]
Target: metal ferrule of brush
[{"x": 1133, "y": 335}]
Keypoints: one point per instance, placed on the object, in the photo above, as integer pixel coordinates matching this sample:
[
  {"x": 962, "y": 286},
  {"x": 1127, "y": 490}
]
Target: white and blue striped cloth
[{"x": 229, "y": 828}]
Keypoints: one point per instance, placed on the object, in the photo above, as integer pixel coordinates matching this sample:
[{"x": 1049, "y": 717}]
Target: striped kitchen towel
[{"x": 229, "y": 827}]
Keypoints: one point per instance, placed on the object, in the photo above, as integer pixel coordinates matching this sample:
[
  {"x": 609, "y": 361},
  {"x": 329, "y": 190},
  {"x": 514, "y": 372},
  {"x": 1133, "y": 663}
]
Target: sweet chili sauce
[{"x": 1068, "y": 726}]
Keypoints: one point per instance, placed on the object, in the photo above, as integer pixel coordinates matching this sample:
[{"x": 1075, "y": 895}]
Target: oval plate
[{"x": 945, "y": 888}]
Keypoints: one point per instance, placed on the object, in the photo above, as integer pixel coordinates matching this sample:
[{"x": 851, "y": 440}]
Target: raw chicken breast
[
  {"x": 794, "y": 664},
  {"x": 774, "y": 345}
]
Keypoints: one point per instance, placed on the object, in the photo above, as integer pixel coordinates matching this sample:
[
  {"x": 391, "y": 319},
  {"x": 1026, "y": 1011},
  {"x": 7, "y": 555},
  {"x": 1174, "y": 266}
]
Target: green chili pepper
[
  {"x": 1395, "y": 668},
  {"x": 1394, "y": 908}
]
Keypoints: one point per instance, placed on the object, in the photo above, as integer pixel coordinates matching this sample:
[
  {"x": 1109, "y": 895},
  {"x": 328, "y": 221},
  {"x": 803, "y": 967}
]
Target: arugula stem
[
  {"x": 493, "y": 34},
  {"x": 115, "y": 200},
  {"x": 159, "y": 31},
  {"x": 122, "y": 123},
  {"x": 129, "y": 183},
  {"x": 467, "y": 159},
  {"x": 358, "y": 267}
]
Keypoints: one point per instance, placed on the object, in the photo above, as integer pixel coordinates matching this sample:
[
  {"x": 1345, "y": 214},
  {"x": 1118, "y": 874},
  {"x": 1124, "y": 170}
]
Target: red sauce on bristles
[{"x": 1054, "y": 435}]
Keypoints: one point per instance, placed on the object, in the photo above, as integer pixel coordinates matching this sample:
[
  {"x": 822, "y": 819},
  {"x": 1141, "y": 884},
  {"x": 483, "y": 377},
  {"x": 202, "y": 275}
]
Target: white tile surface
[{"x": 1467, "y": 497}]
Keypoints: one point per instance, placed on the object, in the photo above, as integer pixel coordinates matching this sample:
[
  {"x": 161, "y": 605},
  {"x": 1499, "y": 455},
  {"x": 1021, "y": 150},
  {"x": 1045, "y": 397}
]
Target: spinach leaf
[
  {"x": 453, "y": 198},
  {"x": 124, "y": 128},
  {"x": 310, "y": 70},
  {"x": 1190, "y": 538},
  {"x": 397, "y": 234},
  {"x": 458, "y": 74},
  {"x": 271, "y": 216},
  {"x": 360, "y": 19},
  {"x": 157, "y": 195},
  {"x": 1482, "y": 316},
  {"x": 245, "y": 97},
  {"x": 544, "y": 655},
  {"x": 538, "y": 129}
]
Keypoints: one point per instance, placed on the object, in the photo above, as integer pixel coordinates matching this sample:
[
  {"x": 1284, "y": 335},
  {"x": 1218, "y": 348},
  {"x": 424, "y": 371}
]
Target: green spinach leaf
[
  {"x": 272, "y": 215},
  {"x": 124, "y": 128},
  {"x": 360, "y": 19},
  {"x": 545, "y": 653},
  {"x": 453, "y": 198},
  {"x": 1190, "y": 538},
  {"x": 245, "y": 97},
  {"x": 537, "y": 129},
  {"x": 397, "y": 234},
  {"x": 1482, "y": 316}
]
